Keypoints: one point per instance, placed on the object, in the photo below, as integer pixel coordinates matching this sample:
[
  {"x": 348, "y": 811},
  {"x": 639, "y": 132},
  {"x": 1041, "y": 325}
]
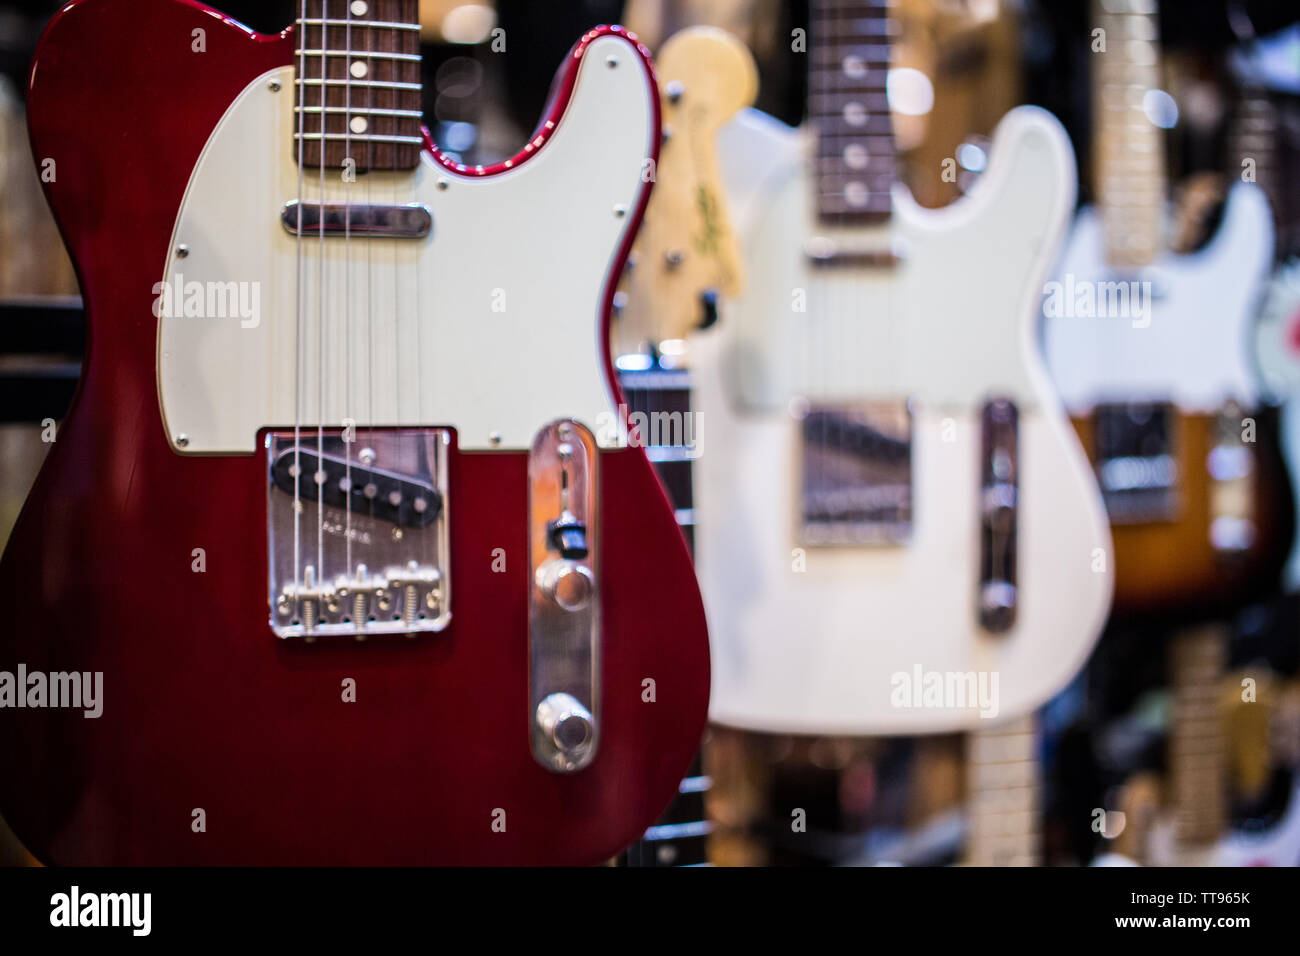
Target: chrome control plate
[
  {"x": 564, "y": 597},
  {"x": 999, "y": 595},
  {"x": 357, "y": 532}
]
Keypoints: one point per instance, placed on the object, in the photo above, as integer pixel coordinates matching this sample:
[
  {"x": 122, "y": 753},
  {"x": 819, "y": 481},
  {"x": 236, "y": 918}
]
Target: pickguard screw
[
  {"x": 182, "y": 251},
  {"x": 675, "y": 91},
  {"x": 182, "y": 441},
  {"x": 495, "y": 438},
  {"x": 620, "y": 210},
  {"x": 611, "y": 61},
  {"x": 443, "y": 183},
  {"x": 273, "y": 86}
]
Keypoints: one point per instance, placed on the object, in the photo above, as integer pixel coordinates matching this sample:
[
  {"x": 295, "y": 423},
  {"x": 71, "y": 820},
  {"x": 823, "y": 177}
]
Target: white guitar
[{"x": 890, "y": 502}]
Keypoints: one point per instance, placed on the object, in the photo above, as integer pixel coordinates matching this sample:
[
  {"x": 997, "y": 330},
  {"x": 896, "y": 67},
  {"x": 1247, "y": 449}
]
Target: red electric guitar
[{"x": 342, "y": 537}]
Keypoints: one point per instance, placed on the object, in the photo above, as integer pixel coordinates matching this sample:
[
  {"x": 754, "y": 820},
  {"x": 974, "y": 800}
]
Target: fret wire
[
  {"x": 375, "y": 24},
  {"x": 360, "y": 110},
  {"x": 364, "y": 54},
  {"x": 365, "y": 136},
  {"x": 340, "y": 81}
]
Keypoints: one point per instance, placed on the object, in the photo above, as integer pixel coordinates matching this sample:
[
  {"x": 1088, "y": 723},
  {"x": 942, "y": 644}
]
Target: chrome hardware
[
  {"x": 825, "y": 252},
  {"x": 1133, "y": 447},
  {"x": 359, "y": 220},
  {"x": 567, "y": 583},
  {"x": 353, "y": 512},
  {"x": 567, "y": 727},
  {"x": 564, "y": 597},
  {"x": 999, "y": 514},
  {"x": 856, "y": 474},
  {"x": 1231, "y": 467}
]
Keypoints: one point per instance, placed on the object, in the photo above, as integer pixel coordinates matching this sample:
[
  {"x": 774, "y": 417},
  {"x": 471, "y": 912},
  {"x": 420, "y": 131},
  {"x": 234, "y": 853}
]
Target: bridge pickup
[
  {"x": 999, "y": 515},
  {"x": 366, "y": 551},
  {"x": 383, "y": 495},
  {"x": 1136, "y": 461},
  {"x": 358, "y": 220},
  {"x": 856, "y": 475}
]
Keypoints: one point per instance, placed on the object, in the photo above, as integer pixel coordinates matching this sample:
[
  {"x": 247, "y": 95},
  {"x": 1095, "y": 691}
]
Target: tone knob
[
  {"x": 998, "y": 606},
  {"x": 567, "y": 583},
  {"x": 565, "y": 723}
]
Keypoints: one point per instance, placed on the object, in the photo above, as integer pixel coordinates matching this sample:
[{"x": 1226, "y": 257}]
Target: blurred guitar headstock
[{"x": 686, "y": 254}]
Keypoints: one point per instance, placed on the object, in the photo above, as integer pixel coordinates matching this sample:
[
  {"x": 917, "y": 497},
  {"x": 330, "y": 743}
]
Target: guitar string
[
  {"x": 348, "y": 176},
  {"x": 299, "y": 302},
  {"x": 370, "y": 256},
  {"x": 415, "y": 273},
  {"x": 395, "y": 41},
  {"x": 322, "y": 315}
]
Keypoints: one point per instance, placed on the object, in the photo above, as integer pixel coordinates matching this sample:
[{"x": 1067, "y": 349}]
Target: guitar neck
[
  {"x": 848, "y": 104},
  {"x": 1254, "y": 136},
  {"x": 1004, "y": 795},
  {"x": 1128, "y": 150},
  {"x": 680, "y": 836},
  {"x": 1196, "y": 752},
  {"x": 357, "y": 85}
]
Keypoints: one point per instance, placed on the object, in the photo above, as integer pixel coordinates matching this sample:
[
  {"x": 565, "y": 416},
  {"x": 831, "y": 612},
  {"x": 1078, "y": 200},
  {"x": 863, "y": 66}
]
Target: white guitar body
[
  {"x": 402, "y": 331},
  {"x": 1192, "y": 346},
  {"x": 814, "y": 639}
]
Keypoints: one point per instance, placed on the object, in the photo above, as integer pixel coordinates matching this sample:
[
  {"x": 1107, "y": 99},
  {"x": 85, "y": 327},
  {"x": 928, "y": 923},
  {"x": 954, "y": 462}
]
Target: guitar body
[
  {"x": 1191, "y": 352},
  {"x": 399, "y": 749},
  {"x": 811, "y": 639},
  {"x": 1171, "y": 568}
]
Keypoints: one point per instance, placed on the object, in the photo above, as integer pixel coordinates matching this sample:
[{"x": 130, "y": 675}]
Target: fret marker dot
[
  {"x": 358, "y": 69},
  {"x": 854, "y": 67},
  {"x": 855, "y": 156},
  {"x": 855, "y": 194},
  {"x": 360, "y": 8},
  {"x": 358, "y": 124},
  {"x": 855, "y": 114}
]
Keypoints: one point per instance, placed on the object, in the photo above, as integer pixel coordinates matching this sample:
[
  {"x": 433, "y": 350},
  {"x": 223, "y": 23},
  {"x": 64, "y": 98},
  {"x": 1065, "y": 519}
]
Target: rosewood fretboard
[
  {"x": 357, "y": 68},
  {"x": 849, "y": 106}
]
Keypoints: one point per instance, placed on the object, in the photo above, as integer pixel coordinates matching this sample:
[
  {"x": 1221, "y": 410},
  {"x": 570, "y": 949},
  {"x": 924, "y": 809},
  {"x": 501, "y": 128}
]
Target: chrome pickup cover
[
  {"x": 357, "y": 220},
  {"x": 357, "y": 532}
]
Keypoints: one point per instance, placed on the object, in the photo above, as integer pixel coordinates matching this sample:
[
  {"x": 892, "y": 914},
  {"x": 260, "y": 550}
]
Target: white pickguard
[
  {"x": 816, "y": 651},
  {"x": 1196, "y": 351},
  {"x": 491, "y": 324}
]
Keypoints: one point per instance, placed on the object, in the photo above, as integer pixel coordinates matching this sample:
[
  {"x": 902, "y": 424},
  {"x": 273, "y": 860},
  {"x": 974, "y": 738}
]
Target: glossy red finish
[{"x": 203, "y": 707}]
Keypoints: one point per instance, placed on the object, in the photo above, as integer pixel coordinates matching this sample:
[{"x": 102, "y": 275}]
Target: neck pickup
[
  {"x": 357, "y": 220},
  {"x": 357, "y": 85}
]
